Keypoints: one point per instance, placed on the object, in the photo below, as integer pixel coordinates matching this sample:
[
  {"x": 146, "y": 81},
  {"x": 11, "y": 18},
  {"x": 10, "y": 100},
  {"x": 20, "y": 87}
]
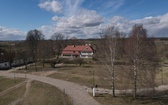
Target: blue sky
[{"x": 81, "y": 18}]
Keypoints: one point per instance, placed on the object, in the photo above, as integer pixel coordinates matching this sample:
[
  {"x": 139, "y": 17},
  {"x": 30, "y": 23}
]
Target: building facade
[{"x": 75, "y": 51}]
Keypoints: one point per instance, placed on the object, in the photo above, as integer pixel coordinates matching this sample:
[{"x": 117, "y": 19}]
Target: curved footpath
[{"x": 77, "y": 92}]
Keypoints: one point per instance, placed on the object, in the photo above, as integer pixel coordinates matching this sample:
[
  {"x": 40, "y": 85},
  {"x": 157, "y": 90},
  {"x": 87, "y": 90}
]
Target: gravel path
[
  {"x": 77, "y": 92},
  {"x": 26, "y": 95}
]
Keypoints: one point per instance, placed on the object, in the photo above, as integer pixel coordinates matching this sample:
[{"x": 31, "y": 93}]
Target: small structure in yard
[
  {"x": 75, "y": 51},
  {"x": 4, "y": 65}
]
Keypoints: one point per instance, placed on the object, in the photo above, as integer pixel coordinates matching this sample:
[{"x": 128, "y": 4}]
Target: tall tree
[
  {"x": 44, "y": 51},
  {"x": 33, "y": 38},
  {"x": 141, "y": 53},
  {"x": 59, "y": 42},
  {"x": 106, "y": 51}
]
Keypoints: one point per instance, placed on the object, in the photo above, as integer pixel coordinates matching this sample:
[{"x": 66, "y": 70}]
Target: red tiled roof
[
  {"x": 77, "y": 48},
  {"x": 70, "y": 52}
]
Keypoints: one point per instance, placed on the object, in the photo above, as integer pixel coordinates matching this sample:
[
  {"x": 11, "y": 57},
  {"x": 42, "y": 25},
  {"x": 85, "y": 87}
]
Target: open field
[
  {"x": 127, "y": 100},
  {"x": 44, "y": 94},
  {"x": 6, "y": 83},
  {"x": 93, "y": 74},
  {"x": 12, "y": 94},
  {"x": 83, "y": 75},
  {"x": 88, "y": 75},
  {"x": 32, "y": 93},
  {"x": 162, "y": 76}
]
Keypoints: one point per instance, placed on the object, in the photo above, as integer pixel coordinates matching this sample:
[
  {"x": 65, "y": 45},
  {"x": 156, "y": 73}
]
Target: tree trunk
[
  {"x": 25, "y": 62},
  {"x": 135, "y": 80},
  {"x": 113, "y": 81},
  {"x": 43, "y": 63},
  {"x": 35, "y": 66}
]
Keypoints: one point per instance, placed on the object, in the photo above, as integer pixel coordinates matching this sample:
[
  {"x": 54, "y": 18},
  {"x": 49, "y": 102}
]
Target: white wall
[
  {"x": 86, "y": 53},
  {"x": 17, "y": 62},
  {"x": 4, "y": 65}
]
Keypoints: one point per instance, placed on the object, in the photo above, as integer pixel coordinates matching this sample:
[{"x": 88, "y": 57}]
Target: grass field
[
  {"x": 127, "y": 100},
  {"x": 83, "y": 75},
  {"x": 87, "y": 75},
  {"x": 14, "y": 94},
  {"x": 6, "y": 83},
  {"x": 162, "y": 76},
  {"x": 39, "y": 94},
  {"x": 44, "y": 94},
  {"x": 93, "y": 74}
]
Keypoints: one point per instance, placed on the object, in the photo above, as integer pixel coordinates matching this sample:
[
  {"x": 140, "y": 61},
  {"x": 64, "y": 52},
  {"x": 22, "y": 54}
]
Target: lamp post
[
  {"x": 25, "y": 74},
  {"x": 93, "y": 79},
  {"x": 161, "y": 75}
]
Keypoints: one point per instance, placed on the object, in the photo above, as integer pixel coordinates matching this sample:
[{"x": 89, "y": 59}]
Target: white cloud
[
  {"x": 114, "y": 4},
  {"x": 81, "y": 24},
  {"x": 72, "y": 7},
  {"x": 84, "y": 18},
  {"x": 88, "y": 24},
  {"x": 53, "y": 6},
  {"x": 11, "y": 34},
  {"x": 55, "y": 18},
  {"x": 84, "y": 24},
  {"x": 123, "y": 24},
  {"x": 76, "y": 21},
  {"x": 156, "y": 26}
]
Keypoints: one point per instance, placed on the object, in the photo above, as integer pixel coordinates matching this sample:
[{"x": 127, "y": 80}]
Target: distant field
[{"x": 162, "y": 75}]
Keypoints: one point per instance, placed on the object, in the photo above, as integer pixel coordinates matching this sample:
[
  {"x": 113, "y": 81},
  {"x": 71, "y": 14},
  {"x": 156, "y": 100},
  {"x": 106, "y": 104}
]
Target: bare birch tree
[
  {"x": 106, "y": 51},
  {"x": 141, "y": 53}
]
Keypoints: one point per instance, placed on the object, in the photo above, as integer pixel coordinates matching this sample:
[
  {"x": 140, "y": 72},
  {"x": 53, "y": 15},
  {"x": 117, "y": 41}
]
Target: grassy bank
[
  {"x": 38, "y": 94},
  {"x": 6, "y": 83},
  {"x": 128, "y": 100},
  {"x": 44, "y": 94}
]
